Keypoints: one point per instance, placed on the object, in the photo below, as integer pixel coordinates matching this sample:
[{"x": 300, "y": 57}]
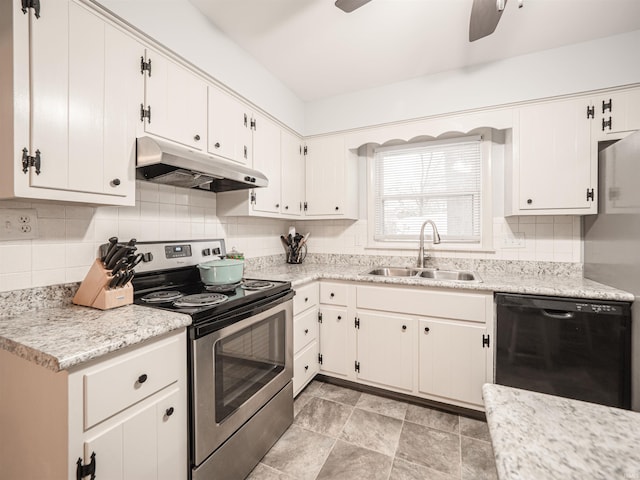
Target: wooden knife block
[{"x": 94, "y": 290}]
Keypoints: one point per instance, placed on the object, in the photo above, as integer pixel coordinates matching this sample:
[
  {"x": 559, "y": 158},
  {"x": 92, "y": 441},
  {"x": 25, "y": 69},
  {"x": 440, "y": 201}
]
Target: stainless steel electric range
[{"x": 240, "y": 355}]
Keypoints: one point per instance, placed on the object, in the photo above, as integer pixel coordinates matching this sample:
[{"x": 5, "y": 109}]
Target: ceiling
[{"x": 319, "y": 51}]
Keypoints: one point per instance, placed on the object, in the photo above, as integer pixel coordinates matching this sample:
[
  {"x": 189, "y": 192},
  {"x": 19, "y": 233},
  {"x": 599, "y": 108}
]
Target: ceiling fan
[{"x": 485, "y": 15}]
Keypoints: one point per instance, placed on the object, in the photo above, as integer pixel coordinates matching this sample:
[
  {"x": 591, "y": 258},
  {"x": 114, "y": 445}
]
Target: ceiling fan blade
[
  {"x": 350, "y": 5},
  {"x": 485, "y": 16}
]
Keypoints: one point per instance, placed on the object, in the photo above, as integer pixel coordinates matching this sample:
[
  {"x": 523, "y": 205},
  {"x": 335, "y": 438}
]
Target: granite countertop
[
  {"x": 59, "y": 338},
  {"x": 539, "y": 436},
  {"x": 554, "y": 285}
]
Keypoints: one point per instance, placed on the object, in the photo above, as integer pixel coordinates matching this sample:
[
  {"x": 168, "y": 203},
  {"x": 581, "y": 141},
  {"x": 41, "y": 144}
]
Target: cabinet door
[
  {"x": 333, "y": 340},
  {"x": 452, "y": 360},
  {"x": 554, "y": 156},
  {"x": 49, "y": 94},
  {"x": 292, "y": 175},
  {"x": 266, "y": 159},
  {"x": 325, "y": 176},
  {"x": 385, "y": 350},
  {"x": 229, "y": 134},
  {"x": 171, "y": 421},
  {"x": 615, "y": 113},
  {"x": 178, "y": 102}
]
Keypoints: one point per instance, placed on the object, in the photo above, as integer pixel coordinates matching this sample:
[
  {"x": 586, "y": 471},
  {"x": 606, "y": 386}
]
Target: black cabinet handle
[
  {"x": 332, "y": 295},
  {"x": 169, "y": 411},
  {"x": 306, "y": 299},
  {"x": 286, "y": 207},
  {"x": 426, "y": 329},
  {"x": 306, "y": 330},
  {"x": 306, "y": 367},
  {"x": 196, "y": 137},
  {"x": 277, "y": 205},
  {"x": 142, "y": 378},
  {"x": 404, "y": 327},
  {"x": 115, "y": 182},
  {"x": 529, "y": 201},
  {"x": 337, "y": 208},
  {"x": 339, "y": 317},
  {"x": 217, "y": 145}
]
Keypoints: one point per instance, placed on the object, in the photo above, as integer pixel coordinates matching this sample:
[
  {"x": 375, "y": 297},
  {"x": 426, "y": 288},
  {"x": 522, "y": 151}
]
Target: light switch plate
[
  {"x": 513, "y": 240},
  {"x": 18, "y": 224}
]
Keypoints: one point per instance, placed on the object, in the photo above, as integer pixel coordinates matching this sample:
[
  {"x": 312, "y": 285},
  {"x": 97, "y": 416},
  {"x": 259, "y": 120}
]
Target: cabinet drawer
[
  {"x": 306, "y": 297},
  {"x": 333, "y": 293},
  {"x": 305, "y": 330},
  {"x": 426, "y": 303},
  {"x": 127, "y": 379},
  {"x": 305, "y": 367}
]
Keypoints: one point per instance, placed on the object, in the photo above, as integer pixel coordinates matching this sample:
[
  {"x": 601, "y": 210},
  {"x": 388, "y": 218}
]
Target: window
[{"x": 439, "y": 180}]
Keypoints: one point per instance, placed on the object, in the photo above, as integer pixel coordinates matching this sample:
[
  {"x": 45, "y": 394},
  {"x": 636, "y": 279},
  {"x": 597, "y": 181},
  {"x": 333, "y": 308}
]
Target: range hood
[{"x": 163, "y": 162}]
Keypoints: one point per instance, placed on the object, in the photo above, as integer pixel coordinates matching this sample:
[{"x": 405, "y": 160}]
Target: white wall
[
  {"x": 179, "y": 26},
  {"x": 603, "y": 63}
]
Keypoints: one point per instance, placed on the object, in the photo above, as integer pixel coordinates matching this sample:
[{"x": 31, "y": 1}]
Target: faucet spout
[{"x": 436, "y": 240}]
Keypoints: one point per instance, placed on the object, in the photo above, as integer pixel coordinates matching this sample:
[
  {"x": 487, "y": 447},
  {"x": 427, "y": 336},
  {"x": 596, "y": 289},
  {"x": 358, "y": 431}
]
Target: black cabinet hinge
[
  {"x": 35, "y": 4},
  {"x": 607, "y": 106},
  {"x": 246, "y": 152},
  {"x": 590, "y": 194},
  {"x": 319, "y": 317},
  {"x": 253, "y": 198},
  {"x": 591, "y": 112},
  {"x": 305, "y": 150},
  {"x": 607, "y": 123},
  {"x": 85, "y": 470},
  {"x": 356, "y": 323},
  {"x": 320, "y": 358},
  {"x": 253, "y": 124},
  {"x": 486, "y": 341},
  {"x": 305, "y": 206},
  {"x": 145, "y": 66},
  {"x": 28, "y": 161},
  {"x": 145, "y": 113},
  {"x": 246, "y": 120},
  {"x": 357, "y": 366}
]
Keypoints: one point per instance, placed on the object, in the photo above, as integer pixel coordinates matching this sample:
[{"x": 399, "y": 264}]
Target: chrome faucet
[{"x": 436, "y": 240}]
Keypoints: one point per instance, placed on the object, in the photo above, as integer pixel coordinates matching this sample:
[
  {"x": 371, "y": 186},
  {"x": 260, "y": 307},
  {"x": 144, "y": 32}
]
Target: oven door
[{"x": 235, "y": 371}]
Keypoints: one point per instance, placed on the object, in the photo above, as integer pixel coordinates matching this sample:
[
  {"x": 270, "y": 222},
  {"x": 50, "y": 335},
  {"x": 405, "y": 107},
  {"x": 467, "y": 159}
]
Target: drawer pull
[
  {"x": 332, "y": 295},
  {"x": 339, "y": 317},
  {"x": 426, "y": 329},
  {"x": 404, "y": 327},
  {"x": 306, "y": 367},
  {"x": 169, "y": 411},
  {"x": 306, "y": 299},
  {"x": 142, "y": 378},
  {"x": 306, "y": 330}
]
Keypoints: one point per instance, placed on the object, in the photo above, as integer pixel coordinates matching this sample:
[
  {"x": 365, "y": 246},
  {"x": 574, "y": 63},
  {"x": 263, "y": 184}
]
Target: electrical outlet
[
  {"x": 18, "y": 224},
  {"x": 515, "y": 240}
]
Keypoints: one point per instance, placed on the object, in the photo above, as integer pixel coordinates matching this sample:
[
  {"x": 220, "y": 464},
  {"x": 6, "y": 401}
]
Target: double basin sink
[{"x": 427, "y": 273}]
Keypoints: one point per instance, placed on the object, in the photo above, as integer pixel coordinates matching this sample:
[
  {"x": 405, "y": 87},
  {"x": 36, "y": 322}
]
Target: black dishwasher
[{"x": 569, "y": 347}]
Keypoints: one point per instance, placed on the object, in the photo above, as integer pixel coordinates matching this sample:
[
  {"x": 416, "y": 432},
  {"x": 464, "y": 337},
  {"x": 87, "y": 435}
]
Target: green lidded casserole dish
[{"x": 221, "y": 272}]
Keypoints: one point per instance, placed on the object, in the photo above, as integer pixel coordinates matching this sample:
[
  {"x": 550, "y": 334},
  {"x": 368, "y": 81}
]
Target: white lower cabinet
[
  {"x": 335, "y": 349},
  {"x": 305, "y": 336},
  {"x": 452, "y": 360},
  {"x": 385, "y": 350},
  {"x": 127, "y": 410}
]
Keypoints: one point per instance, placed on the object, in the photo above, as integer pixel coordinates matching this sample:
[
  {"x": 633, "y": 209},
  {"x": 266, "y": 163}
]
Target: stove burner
[
  {"x": 201, "y": 300},
  {"x": 229, "y": 287},
  {"x": 162, "y": 297},
  {"x": 257, "y": 284}
]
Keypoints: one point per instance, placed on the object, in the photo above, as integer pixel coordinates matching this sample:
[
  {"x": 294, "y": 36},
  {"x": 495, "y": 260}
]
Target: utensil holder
[
  {"x": 94, "y": 291},
  {"x": 296, "y": 255}
]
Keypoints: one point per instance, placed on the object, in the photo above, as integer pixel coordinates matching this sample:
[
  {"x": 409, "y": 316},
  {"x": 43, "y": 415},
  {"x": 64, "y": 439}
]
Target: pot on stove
[{"x": 221, "y": 272}]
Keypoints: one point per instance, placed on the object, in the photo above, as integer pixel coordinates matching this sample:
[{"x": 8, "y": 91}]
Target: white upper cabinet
[
  {"x": 552, "y": 170},
  {"x": 73, "y": 106},
  {"x": 266, "y": 159},
  {"x": 229, "y": 134},
  {"x": 292, "y": 175},
  {"x": 331, "y": 178},
  {"x": 175, "y": 105},
  {"x": 614, "y": 113}
]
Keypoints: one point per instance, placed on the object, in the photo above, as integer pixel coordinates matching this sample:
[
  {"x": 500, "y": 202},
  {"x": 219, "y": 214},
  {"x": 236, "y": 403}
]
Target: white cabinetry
[
  {"x": 292, "y": 175},
  {"x": 266, "y": 159},
  {"x": 70, "y": 104},
  {"x": 614, "y": 113},
  {"x": 129, "y": 408},
  {"x": 229, "y": 134},
  {"x": 336, "y": 347},
  {"x": 331, "y": 178},
  {"x": 305, "y": 336},
  {"x": 552, "y": 171},
  {"x": 175, "y": 102}
]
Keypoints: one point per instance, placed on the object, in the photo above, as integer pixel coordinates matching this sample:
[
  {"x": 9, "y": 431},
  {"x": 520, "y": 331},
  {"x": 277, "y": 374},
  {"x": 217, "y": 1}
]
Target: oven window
[{"x": 247, "y": 361}]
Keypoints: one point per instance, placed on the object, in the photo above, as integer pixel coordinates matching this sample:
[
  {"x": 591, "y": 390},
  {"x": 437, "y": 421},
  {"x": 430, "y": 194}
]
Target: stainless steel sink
[{"x": 425, "y": 273}]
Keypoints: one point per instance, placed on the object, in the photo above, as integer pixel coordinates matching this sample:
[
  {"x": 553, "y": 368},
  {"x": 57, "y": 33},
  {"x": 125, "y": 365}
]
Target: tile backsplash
[{"x": 69, "y": 235}]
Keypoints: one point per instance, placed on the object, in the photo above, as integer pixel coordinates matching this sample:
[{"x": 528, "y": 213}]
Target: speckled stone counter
[
  {"x": 538, "y": 436},
  {"x": 554, "y": 285},
  {"x": 60, "y": 337}
]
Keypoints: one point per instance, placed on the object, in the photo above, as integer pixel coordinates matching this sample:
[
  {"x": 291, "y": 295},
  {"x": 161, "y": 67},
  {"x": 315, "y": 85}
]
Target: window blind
[{"x": 438, "y": 180}]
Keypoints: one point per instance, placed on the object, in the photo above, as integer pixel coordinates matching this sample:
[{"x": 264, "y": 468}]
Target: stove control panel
[
  {"x": 177, "y": 251},
  {"x": 175, "y": 254}
]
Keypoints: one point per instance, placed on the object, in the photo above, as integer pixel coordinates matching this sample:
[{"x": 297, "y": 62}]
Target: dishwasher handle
[{"x": 557, "y": 314}]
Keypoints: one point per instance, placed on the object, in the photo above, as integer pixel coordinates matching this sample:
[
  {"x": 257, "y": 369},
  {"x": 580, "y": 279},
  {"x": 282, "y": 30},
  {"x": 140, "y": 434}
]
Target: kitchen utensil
[
  {"x": 113, "y": 241},
  {"x": 113, "y": 283},
  {"x": 121, "y": 251},
  {"x": 120, "y": 265},
  {"x": 220, "y": 272}
]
